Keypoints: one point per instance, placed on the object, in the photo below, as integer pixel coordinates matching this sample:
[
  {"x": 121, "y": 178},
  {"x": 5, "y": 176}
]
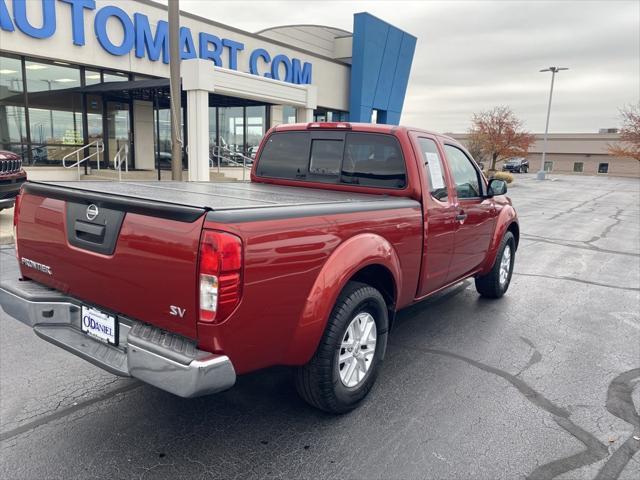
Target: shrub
[{"x": 507, "y": 177}]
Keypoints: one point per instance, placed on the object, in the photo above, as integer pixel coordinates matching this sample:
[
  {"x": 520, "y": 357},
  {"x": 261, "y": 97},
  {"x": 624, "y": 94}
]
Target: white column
[
  {"x": 305, "y": 115},
  {"x": 198, "y": 135},
  {"x": 198, "y": 80},
  {"x": 276, "y": 115},
  {"x": 143, "y": 126}
]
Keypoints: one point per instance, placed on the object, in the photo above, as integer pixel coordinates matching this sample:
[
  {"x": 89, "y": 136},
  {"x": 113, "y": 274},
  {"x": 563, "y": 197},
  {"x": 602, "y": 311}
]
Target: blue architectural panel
[{"x": 381, "y": 63}]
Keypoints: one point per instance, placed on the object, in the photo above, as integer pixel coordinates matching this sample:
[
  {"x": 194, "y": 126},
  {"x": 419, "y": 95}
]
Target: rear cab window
[
  {"x": 281, "y": 156},
  {"x": 347, "y": 158}
]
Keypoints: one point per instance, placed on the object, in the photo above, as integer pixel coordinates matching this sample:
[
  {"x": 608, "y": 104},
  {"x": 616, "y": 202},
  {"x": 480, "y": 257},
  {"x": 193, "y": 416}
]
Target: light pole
[
  {"x": 175, "y": 90},
  {"x": 553, "y": 70}
]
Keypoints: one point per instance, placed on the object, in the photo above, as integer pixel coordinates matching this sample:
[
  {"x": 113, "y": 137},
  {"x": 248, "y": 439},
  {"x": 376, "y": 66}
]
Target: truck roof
[{"x": 356, "y": 127}]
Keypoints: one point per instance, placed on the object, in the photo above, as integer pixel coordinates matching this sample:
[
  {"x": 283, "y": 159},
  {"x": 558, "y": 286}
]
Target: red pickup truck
[{"x": 186, "y": 285}]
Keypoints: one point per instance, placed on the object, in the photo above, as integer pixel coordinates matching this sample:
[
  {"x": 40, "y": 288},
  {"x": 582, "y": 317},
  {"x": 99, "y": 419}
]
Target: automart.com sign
[{"x": 147, "y": 41}]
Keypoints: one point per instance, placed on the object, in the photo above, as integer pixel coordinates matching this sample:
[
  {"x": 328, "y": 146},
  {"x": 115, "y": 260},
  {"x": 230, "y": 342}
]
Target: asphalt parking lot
[{"x": 544, "y": 383}]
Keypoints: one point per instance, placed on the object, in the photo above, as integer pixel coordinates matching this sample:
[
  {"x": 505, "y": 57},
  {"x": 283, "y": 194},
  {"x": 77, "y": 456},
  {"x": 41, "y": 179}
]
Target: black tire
[
  {"x": 318, "y": 382},
  {"x": 489, "y": 285}
]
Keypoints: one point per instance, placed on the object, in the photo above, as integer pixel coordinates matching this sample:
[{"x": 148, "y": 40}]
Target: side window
[
  {"x": 464, "y": 173},
  {"x": 433, "y": 167}
]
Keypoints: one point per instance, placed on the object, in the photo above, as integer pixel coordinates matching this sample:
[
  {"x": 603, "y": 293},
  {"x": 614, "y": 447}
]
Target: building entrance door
[{"x": 118, "y": 134}]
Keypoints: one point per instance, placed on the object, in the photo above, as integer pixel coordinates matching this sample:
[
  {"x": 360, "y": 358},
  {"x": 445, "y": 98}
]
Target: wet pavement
[{"x": 544, "y": 383}]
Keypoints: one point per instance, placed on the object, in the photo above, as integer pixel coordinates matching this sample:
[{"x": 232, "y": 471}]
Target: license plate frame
[{"x": 99, "y": 325}]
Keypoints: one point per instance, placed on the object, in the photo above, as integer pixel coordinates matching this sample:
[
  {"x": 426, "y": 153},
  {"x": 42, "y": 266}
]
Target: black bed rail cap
[{"x": 171, "y": 211}]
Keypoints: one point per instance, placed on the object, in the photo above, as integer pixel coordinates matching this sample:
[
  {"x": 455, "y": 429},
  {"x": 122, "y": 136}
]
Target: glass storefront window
[
  {"x": 324, "y": 115},
  {"x": 94, "y": 118},
  {"x": 91, "y": 77},
  {"x": 10, "y": 77},
  {"x": 13, "y": 131},
  {"x": 289, "y": 114},
  {"x": 55, "y": 126},
  {"x": 231, "y": 129},
  {"x": 115, "y": 77},
  {"x": 256, "y": 122},
  {"x": 43, "y": 77},
  {"x": 55, "y": 110},
  {"x": 95, "y": 126},
  {"x": 118, "y": 126},
  {"x": 12, "y": 124}
]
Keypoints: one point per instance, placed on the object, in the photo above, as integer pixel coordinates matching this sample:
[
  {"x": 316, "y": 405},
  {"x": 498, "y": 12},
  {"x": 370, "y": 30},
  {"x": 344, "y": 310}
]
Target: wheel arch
[
  {"x": 380, "y": 277},
  {"x": 507, "y": 221},
  {"x": 514, "y": 228},
  {"x": 367, "y": 258}
]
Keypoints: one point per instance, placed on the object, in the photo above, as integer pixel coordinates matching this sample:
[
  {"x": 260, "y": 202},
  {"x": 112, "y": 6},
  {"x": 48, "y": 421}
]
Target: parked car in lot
[
  {"x": 342, "y": 226},
  {"x": 518, "y": 165},
  {"x": 12, "y": 176}
]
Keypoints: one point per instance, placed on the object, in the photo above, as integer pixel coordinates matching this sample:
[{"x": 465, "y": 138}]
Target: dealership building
[
  {"x": 94, "y": 74},
  {"x": 576, "y": 154}
]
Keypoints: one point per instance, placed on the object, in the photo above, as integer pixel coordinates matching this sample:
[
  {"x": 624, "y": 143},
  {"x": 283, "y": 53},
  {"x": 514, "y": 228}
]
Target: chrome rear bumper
[{"x": 165, "y": 360}]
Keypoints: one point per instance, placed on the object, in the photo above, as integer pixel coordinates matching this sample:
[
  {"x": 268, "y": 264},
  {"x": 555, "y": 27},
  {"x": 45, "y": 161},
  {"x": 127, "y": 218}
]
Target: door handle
[{"x": 461, "y": 217}]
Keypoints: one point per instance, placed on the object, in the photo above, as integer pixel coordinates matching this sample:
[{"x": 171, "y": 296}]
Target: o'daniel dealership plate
[{"x": 99, "y": 325}]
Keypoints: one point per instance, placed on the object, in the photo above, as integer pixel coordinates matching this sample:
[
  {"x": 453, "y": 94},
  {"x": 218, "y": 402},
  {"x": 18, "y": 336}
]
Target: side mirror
[{"x": 496, "y": 187}]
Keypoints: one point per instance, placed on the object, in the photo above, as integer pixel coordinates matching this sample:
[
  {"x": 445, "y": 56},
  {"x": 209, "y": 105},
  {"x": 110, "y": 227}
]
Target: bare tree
[
  {"x": 498, "y": 134},
  {"x": 629, "y": 145}
]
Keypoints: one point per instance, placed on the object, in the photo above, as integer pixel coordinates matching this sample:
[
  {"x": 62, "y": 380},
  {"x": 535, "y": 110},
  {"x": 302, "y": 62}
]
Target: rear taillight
[
  {"x": 16, "y": 213},
  {"x": 220, "y": 270}
]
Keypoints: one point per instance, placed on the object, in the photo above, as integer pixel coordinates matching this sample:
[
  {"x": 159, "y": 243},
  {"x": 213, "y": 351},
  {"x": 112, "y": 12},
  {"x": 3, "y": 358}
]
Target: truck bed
[
  {"x": 225, "y": 202},
  {"x": 138, "y": 255},
  {"x": 213, "y": 196}
]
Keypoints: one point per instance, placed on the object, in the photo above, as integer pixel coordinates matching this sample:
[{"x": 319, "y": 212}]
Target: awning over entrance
[
  {"x": 153, "y": 89},
  {"x": 146, "y": 84}
]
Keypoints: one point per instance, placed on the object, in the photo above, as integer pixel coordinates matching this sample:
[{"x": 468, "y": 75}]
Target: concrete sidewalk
[{"x": 6, "y": 226}]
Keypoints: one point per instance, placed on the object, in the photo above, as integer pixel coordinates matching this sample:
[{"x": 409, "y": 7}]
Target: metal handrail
[
  {"x": 99, "y": 144},
  {"x": 118, "y": 160},
  {"x": 220, "y": 151}
]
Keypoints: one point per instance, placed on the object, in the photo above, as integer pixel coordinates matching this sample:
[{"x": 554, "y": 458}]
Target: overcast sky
[{"x": 473, "y": 55}]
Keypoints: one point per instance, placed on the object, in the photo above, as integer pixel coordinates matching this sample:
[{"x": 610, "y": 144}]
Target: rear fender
[
  {"x": 504, "y": 222},
  {"x": 350, "y": 257}
]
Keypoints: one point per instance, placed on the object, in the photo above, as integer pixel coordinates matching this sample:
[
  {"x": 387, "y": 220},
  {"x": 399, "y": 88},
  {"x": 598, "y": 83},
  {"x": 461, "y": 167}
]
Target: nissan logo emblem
[{"x": 92, "y": 212}]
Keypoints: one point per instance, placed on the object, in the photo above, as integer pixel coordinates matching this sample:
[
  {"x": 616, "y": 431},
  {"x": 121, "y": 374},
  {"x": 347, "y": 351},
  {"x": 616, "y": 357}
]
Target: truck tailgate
[{"x": 128, "y": 256}]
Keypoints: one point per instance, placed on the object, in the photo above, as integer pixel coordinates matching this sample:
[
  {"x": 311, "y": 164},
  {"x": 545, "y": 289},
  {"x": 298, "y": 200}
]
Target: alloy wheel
[
  {"x": 357, "y": 349},
  {"x": 505, "y": 265}
]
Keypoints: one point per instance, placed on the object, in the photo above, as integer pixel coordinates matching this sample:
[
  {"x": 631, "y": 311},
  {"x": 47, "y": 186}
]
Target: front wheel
[
  {"x": 495, "y": 283},
  {"x": 346, "y": 363}
]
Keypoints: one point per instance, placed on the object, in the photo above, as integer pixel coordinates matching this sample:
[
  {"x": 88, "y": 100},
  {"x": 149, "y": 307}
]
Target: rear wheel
[
  {"x": 346, "y": 363},
  {"x": 495, "y": 283}
]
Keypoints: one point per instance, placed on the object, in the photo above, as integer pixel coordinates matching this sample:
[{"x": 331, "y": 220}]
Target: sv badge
[{"x": 177, "y": 311}]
